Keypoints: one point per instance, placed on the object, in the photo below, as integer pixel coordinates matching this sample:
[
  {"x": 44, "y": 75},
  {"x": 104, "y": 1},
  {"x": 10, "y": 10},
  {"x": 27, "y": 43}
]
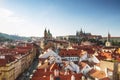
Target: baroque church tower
[{"x": 47, "y": 34}]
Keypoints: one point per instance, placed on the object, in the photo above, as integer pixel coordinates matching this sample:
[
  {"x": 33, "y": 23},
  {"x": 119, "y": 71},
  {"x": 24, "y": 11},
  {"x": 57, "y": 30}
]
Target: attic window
[
  {"x": 83, "y": 72},
  {"x": 86, "y": 66}
]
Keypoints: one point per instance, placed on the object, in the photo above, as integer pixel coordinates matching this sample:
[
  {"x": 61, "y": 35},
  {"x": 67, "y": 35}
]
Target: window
[{"x": 87, "y": 67}]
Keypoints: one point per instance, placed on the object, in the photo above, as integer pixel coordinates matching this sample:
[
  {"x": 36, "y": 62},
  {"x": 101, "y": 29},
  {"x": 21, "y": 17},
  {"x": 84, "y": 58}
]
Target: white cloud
[
  {"x": 11, "y": 23},
  {"x": 7, "y": 16},
  {"x": 5, "y": 12}
]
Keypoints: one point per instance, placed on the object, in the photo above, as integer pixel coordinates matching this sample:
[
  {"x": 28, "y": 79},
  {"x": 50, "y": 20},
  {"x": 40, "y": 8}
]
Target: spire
[
  {"x": 108, "y": 43},
  {"x": 49, "y": 32},
  {"x": 81, "y": 31},
  {"x": 45, "y": 30},
  {"x": 109, "y": 36},
  {"x": 45, "y": 33}
]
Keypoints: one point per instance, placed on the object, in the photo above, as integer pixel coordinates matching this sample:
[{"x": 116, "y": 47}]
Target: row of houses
[
  {"x": 63, "y": 66},
  {"x": 14, "y": 62}
]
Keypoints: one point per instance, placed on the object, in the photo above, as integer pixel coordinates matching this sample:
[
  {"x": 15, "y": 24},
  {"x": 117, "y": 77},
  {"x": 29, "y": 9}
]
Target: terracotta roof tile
[
  {"x": 97, "y": 74},
  {"x": 54, "y": 66},
  {"x": 69, "y": 52},
  {"x": 82, "y": 65},
  {"x": 6, "y": 59}
]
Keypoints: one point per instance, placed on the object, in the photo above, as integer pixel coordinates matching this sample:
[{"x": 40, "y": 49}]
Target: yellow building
[
  {"x": 7, "y": 69},
  {"x": 12, "y": 65},
  {"x": 17, "y": 69}
]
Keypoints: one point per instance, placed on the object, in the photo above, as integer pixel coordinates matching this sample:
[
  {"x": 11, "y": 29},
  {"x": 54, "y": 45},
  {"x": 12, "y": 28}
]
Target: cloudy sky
[{"x": 62, "y": 17}]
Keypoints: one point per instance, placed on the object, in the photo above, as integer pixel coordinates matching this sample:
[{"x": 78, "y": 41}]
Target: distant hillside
[
  {"x": 12, "y": 37},
  {"x": 3, "y": 39}
]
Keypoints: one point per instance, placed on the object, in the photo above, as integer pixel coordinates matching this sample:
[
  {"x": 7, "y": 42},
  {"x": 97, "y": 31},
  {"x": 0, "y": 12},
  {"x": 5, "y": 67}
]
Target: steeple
[
  {"x": 108, "y": 38},
  {"x": 81, "y": 31},
  {"x": 45, "y": 33},
  {"x": 45, "y": 30},
  {"x": 108, "y": 43},
  {"x": 49, "y": 32}
]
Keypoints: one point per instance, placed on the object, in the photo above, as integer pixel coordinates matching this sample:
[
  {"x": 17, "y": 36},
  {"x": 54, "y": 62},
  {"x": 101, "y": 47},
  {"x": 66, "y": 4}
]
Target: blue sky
[{"x": 62, "y": 17}]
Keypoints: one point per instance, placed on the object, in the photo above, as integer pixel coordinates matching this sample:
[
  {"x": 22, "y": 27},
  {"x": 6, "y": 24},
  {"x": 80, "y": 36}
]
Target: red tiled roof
[
  {"x": 89, "y": 49},
  {"x": 97, "y": 74},
  {"x": 69, "y": 52},
  {"x": 20, "y": 47},
  {"x": 118, "y": 59},
  {"x": 40, "y": 75},
  {"x": 14, "y": 51},
  {"x": 106, "y": 54},
  {"x": 82, "y": 65},
  {"x": 68, "y": 77},
  {"x": 3, "y": 62},
  {"x": 6, "y": 59},
  {"x": 41, "y": 78},
  {"x": 54, "y": 66}
]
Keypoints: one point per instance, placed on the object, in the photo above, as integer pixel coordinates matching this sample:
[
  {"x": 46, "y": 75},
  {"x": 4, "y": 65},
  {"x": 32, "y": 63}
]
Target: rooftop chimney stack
[
  {"x": 56, "y": 72},
  {"x": 72, "y": 77},
  {"x": 45, "y": 69},
  {"x": 83, "y": 77},
  {"x": 51, "y": 77}
]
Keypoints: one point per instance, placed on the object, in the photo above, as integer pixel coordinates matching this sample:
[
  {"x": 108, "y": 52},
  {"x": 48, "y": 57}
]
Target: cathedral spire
[
  {"x": 109, "y": 36},
  {"x": 108, "y": 43}
]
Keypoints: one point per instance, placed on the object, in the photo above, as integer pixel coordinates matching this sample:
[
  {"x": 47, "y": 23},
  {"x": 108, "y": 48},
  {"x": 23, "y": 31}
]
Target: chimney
[
  {"x": 83, "y": 77},
  {"x": 45, "y": 70},
  {"x": 51, "y": 77},
  {"x": 66, "y": 72},
  {"x": 90, "y": 79},
  {"x": 56, "y": 72},
  {"x": 72, "y": 77}
]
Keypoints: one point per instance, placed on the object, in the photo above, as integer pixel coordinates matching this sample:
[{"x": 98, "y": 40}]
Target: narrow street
[{"x": 29, "y": 71}]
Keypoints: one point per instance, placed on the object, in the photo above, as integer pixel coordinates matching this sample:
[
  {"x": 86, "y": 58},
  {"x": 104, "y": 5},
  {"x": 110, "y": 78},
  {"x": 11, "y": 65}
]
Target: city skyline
[{"x": 62, "y": 17}]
